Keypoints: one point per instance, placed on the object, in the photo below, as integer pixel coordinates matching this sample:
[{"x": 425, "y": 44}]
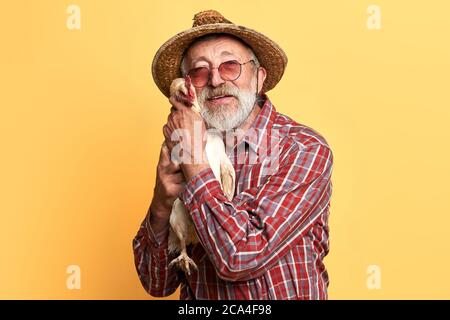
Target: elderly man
[{"x": 269, "y": 242}]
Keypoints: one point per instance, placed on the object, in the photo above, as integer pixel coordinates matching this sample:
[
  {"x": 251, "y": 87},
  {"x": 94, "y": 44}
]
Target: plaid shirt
[{"x": 269, "y": 242}]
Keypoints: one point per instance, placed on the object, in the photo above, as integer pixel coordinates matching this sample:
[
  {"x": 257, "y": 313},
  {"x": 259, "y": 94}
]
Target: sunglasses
[{"x": 228, "y": 70}]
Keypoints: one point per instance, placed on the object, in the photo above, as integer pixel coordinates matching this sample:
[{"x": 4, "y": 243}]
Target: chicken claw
[{"x": 183, "y": 261}]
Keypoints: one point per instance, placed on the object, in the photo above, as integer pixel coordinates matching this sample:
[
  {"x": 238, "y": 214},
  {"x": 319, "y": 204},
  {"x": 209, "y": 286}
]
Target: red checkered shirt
[{"x": 269, "y": 242}]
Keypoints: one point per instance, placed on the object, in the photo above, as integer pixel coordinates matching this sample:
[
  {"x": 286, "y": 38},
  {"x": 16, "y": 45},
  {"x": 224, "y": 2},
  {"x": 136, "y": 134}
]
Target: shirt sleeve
[
  {"x": 152, "y": 258},
  {"x": 246, "y": 236}
]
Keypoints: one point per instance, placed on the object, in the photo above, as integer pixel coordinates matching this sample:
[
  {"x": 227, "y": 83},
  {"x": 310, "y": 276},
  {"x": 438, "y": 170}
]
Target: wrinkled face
[{"x": 225, "y": 104}]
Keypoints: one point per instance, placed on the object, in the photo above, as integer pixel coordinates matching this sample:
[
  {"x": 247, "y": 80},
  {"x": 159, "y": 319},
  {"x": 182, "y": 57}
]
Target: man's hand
[
  {"x": 169, "y": 183},
  {"x": 191, "y": 127}
]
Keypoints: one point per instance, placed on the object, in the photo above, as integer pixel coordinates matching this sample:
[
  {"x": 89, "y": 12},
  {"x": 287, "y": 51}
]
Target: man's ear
[{"x": 262, "y": 73}]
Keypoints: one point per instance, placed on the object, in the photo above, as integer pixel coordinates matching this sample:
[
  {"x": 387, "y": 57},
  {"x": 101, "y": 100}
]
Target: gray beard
[{"x": 222, "y": 118}]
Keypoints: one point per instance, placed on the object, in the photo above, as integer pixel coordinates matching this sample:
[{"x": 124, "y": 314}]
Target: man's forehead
[
  {"x": 206, "y": 58},
  {"x": 221, "y": 45}
]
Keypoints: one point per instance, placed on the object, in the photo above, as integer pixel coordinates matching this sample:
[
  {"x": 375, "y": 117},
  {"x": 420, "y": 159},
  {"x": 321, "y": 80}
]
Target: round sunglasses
[{"x": 228, "y": 71}]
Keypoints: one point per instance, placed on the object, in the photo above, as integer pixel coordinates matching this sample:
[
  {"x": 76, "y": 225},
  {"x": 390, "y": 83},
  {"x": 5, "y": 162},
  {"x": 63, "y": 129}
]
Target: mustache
[{"x": 223, "y": 90}]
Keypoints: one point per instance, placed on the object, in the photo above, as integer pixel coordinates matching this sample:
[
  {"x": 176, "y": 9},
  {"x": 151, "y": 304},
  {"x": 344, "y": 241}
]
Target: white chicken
[{"x": 182, "y": 231}]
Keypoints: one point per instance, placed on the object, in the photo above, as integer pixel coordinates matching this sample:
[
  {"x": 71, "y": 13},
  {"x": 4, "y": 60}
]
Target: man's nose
[{"x": 216, "y": 79}]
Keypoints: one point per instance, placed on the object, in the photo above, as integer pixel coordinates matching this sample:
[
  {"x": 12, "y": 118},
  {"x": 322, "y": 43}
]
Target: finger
[
  {"x": 164, "y": 157},
  {"x": 170, "y": 125},
  {"x": 169, "y": 143},
  {"x": 174, "y": 168},
  {"x": 170, "y": 117},
  {"x": 177, "y": 177},
  {"x": 168, "y": 132},
  {"x": 176, "y": 104}
]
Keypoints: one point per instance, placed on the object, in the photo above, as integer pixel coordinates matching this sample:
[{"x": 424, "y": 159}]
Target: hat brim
[{"x": 167, "y": 60}]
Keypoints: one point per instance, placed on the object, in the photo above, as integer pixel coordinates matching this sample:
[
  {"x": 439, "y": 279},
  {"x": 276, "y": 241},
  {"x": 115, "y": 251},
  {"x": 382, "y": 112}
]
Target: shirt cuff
[{"x": 199, "y": 187}]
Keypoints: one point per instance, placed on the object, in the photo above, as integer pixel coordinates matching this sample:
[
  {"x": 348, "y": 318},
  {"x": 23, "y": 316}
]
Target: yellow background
[{"x": 81, "y": 128}]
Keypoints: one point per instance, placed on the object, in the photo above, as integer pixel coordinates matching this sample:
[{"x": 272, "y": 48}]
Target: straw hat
[{"x": 166, "y": 63}]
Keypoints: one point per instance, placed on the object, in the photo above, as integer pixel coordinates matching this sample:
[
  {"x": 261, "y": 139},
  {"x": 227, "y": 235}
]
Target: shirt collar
[{"x": 261, "y": 126}]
